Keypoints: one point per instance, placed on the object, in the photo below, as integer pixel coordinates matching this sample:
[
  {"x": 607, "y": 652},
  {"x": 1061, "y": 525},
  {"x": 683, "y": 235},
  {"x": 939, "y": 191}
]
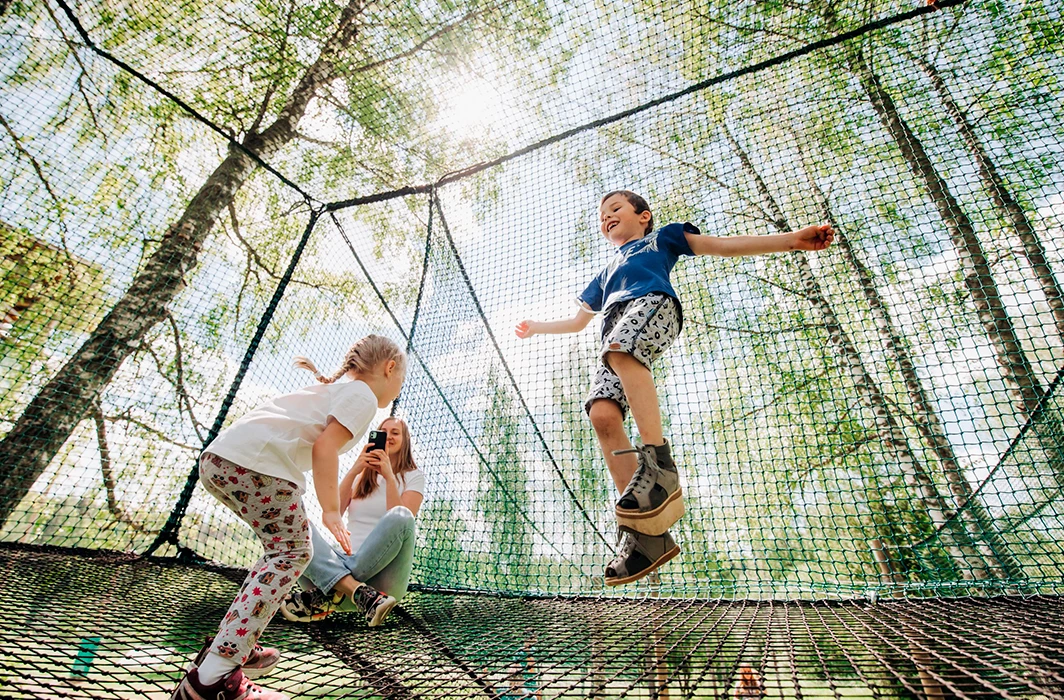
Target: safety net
[{"x": 870, "y": 438}]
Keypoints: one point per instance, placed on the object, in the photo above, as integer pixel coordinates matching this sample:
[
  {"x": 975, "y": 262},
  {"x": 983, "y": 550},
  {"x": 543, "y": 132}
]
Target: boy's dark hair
[{"x": 638, "y": 203}]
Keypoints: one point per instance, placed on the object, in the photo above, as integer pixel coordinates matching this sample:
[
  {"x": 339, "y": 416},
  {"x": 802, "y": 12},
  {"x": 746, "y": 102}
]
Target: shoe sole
[
  {"x": 249, "y": 671},
  {"x": 382, "y": 612},
  {"x": 291, "y": 617},
  {"x": 663, "y": 559},
  {"x": 259, "y": 672},
  {"x": 653, "y": 522}
]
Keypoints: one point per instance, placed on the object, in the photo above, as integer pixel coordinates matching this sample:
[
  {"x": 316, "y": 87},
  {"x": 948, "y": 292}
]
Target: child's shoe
[
  {"x": 260, "y": 661},
  {"x": 638, "y": 555},
  {"x": 309, "y": 606},
  {"x": 373, "y": 603},
  {"x": 652, "y": 502},
  {"x": 236, "y": 686}
]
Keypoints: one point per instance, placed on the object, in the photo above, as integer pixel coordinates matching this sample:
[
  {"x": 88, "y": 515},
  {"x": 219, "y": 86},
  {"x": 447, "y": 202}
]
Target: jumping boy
[{"x": 641, "y": 318}]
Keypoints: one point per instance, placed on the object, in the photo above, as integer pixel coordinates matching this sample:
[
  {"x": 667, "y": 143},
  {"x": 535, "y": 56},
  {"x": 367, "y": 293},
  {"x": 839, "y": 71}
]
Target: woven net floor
[{"x": 97, "y": 626}]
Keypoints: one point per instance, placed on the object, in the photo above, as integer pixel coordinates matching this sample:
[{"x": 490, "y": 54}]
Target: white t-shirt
[
  {"x": 276, "y": 439},
  {"x": 364, "y": 514}
]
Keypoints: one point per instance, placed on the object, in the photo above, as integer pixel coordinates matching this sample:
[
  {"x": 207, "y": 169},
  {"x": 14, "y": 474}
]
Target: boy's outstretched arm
[
  {"x": 527, "y": 329},
  {"x": 816, "y": 237}
]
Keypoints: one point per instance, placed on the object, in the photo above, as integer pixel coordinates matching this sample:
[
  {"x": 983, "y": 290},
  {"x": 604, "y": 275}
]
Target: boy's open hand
[
  {"x": 815, "y": 237},
  {"x": 525, "y": 329}
]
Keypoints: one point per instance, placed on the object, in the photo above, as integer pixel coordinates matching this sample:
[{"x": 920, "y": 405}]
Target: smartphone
[{"x": 377, "y": 439}]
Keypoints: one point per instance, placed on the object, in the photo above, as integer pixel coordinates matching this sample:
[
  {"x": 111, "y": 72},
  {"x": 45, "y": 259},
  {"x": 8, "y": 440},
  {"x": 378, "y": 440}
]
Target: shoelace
[
  {"x": 642, "y": 480},
  {"x": 366, "y": 597},
  {"x": 626, "y": 544}
]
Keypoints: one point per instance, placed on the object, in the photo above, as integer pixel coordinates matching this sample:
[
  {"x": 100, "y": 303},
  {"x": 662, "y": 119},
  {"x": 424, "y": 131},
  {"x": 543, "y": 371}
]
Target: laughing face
[{"x": 618, "y": 221}]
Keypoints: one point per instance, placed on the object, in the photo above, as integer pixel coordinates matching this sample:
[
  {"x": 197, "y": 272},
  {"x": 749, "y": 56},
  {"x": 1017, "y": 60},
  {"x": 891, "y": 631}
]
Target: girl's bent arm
[
  {"x": 326, "y": 464},
  {"x": 527, "y": 329},
  {"x": 412, "y": 500}
]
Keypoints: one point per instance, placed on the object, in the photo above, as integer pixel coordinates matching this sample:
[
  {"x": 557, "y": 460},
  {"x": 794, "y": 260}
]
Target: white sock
[{"x": 214, "y": 668}]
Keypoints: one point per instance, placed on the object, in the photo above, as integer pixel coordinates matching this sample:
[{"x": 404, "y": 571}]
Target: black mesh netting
[{"x": 193, "y": 192}]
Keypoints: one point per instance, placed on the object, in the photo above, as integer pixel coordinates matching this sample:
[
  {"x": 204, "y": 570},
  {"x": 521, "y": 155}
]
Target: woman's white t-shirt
[
  {"x": 364, "y": 514},
  {"x": 276, "y": 439}
]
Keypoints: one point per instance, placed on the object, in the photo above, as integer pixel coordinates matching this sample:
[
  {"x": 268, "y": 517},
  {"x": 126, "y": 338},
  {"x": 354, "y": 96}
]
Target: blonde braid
[{"x": 363, "y": 357}]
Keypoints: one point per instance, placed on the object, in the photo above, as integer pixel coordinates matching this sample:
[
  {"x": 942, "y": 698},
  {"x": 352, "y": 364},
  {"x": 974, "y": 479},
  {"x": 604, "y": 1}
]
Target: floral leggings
[{"x": 274, "y": 510}]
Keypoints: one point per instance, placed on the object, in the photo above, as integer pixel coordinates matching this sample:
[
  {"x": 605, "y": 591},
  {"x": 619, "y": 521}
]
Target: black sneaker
[
  {"x": 638, "y": 554},
  {"x": 309, "y": 606},
  {"x": 373, "y": 603},
  {"x": 653, "y": 501}
]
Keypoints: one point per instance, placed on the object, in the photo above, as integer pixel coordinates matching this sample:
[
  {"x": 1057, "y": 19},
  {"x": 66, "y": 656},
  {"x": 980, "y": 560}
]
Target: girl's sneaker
[
  {"x": 373, "y": 603},
  {"x": 261, "y": 661},
  {"x": 236, "y": 686},
  {"x": 638, "y": 554},
  {"x": 652, "y": 502},
  {"x": 309, "y": 606}
]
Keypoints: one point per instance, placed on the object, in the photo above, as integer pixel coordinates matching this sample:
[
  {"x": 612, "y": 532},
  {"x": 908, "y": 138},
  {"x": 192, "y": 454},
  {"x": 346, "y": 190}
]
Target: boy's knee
[
  {"x": 620, "y": 361},
  {"x": 605, "y": 415}
]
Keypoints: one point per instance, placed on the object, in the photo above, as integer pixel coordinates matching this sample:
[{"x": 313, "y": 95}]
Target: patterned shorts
[{"x": 644, "y": 328}]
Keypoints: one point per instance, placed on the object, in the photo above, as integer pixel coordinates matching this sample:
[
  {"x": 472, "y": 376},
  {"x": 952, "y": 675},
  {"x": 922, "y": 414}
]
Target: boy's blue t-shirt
[{"x": 639, "y": 267}]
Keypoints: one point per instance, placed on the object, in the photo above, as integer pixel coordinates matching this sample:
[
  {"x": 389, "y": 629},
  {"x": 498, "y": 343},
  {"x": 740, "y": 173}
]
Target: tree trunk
[
  {"x": 1006, "y": 205},
  {"x": 64, "y": 401},
  {"x": 1017, "y": 372},
  {"x": 870, "y": 394},
  {"x": 977, "y": 522}
]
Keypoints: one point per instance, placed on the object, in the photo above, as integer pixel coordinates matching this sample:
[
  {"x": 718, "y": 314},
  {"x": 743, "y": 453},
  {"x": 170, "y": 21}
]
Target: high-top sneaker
[
  {"x": 653, "y": 501},
  {"x": 374, "y": 604},
  {"x": 638, "y": 555}
]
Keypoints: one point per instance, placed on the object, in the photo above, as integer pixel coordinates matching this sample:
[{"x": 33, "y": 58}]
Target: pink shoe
[
  {"x": 261, "y": 661},
  {"x": 234, "y": 687}
]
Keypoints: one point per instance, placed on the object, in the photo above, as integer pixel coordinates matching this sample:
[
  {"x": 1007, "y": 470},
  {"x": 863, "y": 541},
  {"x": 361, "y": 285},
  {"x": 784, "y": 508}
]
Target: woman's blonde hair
[
  {"x": 364, "y": 357},
  {"x": 404, "y": 462}
]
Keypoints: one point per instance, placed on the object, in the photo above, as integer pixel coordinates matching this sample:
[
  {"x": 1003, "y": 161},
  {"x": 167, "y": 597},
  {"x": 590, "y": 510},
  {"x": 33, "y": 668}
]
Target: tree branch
[
  {"x": 84, "y": 71},
  {"x": 272, "y": 88},
  {"x": 107, "y": 474},
  {"x": 442, "y": 31},
  {"x": 124, "y": 417},
  {"x": 183, "y": 395},
  {"x": 71, "y": 268}
]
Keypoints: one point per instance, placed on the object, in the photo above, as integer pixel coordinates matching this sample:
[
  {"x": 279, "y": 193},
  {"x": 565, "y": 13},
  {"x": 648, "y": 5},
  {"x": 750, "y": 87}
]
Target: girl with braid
[{"x": 256, "y": 467}]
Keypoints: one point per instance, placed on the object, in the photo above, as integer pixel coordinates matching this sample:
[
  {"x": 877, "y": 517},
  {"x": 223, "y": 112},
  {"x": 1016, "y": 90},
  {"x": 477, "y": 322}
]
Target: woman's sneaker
[
  {"x": 373, "y": 603},
  {"x": 638, "y": 554},
  {"x": 260, "y": 661},
  {"x": 236, "y": 686},
  {"x": 652, "y": 502},
  {"x": 309, "y": 606}
]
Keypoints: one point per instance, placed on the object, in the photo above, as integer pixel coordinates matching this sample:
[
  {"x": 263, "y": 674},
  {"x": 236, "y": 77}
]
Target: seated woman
[{"x": 382, "y": 493}]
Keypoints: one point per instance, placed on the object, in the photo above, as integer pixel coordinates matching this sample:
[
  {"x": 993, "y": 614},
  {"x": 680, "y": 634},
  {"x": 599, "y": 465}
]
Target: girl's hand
[
  {"x": 334, "y": 523},
  {"x": 525, "y": 329},
  {"x": 816, "y": 237},
  {"x": 380, "y": 463}
]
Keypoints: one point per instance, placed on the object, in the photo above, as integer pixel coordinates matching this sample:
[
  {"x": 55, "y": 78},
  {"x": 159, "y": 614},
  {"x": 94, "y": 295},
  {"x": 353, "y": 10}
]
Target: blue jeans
[{"x": 384, "y": 560}]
